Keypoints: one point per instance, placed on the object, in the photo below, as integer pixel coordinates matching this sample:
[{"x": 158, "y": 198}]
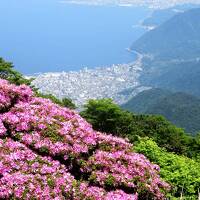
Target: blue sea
[{"x": 48, "y": 35}]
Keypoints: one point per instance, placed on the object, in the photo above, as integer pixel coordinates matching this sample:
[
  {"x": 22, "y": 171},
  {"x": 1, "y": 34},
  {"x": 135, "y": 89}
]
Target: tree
[
  {"x": 162, "y": 131},
  {"x": 195, "y": 147},
  {"x": 67, "y": 102},
  {"x": 51, "y": 97},
  {"x": 7, "y": 72},
  {"x": 181, "y": 172},
  {"x": 107, "y": 117}
]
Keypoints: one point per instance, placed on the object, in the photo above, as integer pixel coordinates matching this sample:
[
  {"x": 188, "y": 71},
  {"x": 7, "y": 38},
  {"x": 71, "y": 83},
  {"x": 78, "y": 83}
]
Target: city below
[{"x": 118, "y": 82}]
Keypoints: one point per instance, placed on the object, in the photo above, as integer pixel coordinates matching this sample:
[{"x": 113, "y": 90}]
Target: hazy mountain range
[
  {"x": 173, "y": 54},
  {"x": 159, "y": 16},
  {"x": 150, "y": 3},
  {"x": 177, "y": 39},
  {"x": 172, "y": 63}
]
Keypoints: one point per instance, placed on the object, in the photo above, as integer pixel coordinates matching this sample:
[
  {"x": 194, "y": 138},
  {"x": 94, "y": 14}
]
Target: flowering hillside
[{"x": 50, "y": 152}]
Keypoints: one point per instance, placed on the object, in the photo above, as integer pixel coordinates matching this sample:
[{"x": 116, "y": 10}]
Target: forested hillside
[
  {"x": 141, "y": 102},
  {"x": 180, "y": 108}
]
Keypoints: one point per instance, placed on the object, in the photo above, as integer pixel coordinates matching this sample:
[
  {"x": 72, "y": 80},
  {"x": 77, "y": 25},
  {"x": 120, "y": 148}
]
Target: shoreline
[
  {"x": 82, "y": 85},
  {"x": 85, "y": 68}
]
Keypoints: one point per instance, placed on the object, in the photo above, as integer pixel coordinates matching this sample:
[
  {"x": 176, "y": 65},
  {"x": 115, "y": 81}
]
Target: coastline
[{"x": 96, "y": 83}]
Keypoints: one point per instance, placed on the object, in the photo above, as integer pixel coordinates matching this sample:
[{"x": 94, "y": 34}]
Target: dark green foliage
[
  {"x": 44, "y": 150},
  {"x": 174, "y": 76},
  {"x": 195, "y": 147},
  {"x": 163, "y": 132},
  {"x": 181, "y": 76},
  {"x": 68, "y": 103},
  {"x": 180, "y": 171},
  {"x": 64, "y": 102},
  {"x": 7, "y": 72},
  {"x": 51, "y": 183},
  {"x": 51, "y": 97},
  {"x": 145, "y": 99},
  {"x": 181, "y": 109},
  {"x": 50, "y": 132},
  {"x": 110, "y": 181},
  {"x": 108, "y": 117}
]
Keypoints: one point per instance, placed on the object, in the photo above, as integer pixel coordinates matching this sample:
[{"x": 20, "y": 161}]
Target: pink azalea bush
[{"x": 50, "y": 152}]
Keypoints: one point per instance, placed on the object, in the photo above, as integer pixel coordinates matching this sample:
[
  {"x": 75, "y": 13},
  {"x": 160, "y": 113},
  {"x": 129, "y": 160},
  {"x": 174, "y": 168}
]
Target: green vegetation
[
  {"x": 65, "y": 102},
  {"x": 174, "y": 76},
  {"x": 7, "y": 72},
  {"x": 68, "y": 103},
  {"x": 181, "y": 172},
  {"x": 144, "y": 100},
  {"x": 177, "y": 153},
  {"x": 108, "y": 117},
  {"x": 181, "y": 109},
  {"x": 174, "y": 49}
]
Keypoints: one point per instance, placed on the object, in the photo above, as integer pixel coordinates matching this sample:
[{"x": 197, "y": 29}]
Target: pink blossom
[{"x": 45, "y": 150}]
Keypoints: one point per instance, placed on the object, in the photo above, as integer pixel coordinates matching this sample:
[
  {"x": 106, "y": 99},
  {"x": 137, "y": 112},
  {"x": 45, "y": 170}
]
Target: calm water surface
[{"x": 46, "y": 35}]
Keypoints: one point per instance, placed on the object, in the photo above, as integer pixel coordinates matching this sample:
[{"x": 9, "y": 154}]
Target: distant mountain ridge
[
  {"x": 178, "y": 38},
  {"x": 160, "y": 16},
  {"x": 141, "y": 102},
  {"x": 180, "y": 108},
  {"x": 172, "y": 52}
]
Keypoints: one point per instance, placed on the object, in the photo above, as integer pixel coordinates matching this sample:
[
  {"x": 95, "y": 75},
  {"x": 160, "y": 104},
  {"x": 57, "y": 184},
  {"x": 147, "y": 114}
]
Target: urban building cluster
[{"x": 118, "y": 82}]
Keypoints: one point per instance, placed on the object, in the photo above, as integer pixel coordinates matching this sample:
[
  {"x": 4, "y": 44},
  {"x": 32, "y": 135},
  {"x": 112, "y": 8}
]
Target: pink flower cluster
[
  {"x": 26, "y": 175},
  {"x": 50, "y": 152}
]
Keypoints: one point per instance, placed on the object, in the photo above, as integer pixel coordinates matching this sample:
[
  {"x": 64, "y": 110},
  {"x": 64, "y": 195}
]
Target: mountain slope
[
  {"x": 160, "y": 16},
  {"x": 181, "y": 76},
  {"x": 173, "y": 50},
  {"x": 145, "y": 99},
  {"x": 181, "y": 109},
  {"x": 175, "y": 39}
]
